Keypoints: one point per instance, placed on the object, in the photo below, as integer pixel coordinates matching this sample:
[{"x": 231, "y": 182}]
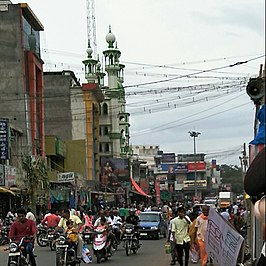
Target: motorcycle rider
[
  {"x": 134, "y": 220},
  {"x": 77, "y": 224},
  {"x": 51, "y": 220},
  {"x": 111, "y": 236},
  {"x": 116, "y": 223},
  {"x": 24, "y": 227}
]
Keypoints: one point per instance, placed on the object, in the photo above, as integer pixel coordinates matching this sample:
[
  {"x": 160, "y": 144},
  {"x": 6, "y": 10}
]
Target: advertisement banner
[
  {"x": 10, "y": 175},
  {"x": 223, "y": 242},
  {"x": 158, "y": 192},
  {"x": 3, "y": 139},
  {"x": 168, "y": 157},
  {"x": 114, "y": 171},
  {"x": 161, "y": 177},
  {"x": 200, "y": 166},
  {"x": 178, "y": 168}
]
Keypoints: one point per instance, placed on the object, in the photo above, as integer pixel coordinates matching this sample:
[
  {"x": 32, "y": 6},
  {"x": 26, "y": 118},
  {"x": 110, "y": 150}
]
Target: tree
[
  {"x": 232, "y": 174},
  {"x": 36, "y": 177}
]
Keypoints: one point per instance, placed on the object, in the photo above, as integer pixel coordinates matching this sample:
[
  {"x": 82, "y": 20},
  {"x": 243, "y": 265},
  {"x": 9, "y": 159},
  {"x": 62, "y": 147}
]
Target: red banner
[
  {"x": 157, "y": 191},
  {"x": 200, "y": 166}
]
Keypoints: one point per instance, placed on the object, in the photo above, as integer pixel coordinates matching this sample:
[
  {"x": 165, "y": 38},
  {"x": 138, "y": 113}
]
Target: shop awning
[
  {"x": 138, "y": 189},
  {"x": 5, "y": 190}
]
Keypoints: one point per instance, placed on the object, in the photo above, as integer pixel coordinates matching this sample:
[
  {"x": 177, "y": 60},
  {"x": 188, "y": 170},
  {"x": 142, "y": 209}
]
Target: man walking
[
  {"x": 180, "y": 226},
  {"x": 201, "y": 229}
]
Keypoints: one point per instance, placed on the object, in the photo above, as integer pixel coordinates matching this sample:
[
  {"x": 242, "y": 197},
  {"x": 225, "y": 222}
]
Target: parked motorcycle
[
  {"x": 46, "y": 236},
  {"x": 66, "y": 253},
  {"x": 130, "y": 240},
  {"x": 101, "y": 245},
  {"x": 4, "y": 232},
  {"x": 17, "y": 255}
]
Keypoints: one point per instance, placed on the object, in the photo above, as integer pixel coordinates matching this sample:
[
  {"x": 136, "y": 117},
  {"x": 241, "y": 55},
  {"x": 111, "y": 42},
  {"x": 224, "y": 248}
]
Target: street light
[{"x": 195, "y": 134}]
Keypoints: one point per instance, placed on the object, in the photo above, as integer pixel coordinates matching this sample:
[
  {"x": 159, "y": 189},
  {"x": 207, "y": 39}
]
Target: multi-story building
[
  {"x": 184, "y": 176},
  {"x": 21, "y": 89},
  {"x": 72, "y": 118},
  {"x": 21, "y": 71}
]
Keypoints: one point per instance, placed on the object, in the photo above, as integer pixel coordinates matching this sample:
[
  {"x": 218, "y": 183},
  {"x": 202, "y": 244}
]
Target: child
[{"x": 71, "y": 233}]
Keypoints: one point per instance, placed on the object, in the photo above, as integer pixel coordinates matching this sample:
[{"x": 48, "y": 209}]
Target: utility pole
[{"x": 194, "y": 135}]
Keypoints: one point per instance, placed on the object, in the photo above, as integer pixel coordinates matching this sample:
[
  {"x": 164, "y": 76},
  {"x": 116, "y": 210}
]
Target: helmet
[{"x": 131, "y": 211}]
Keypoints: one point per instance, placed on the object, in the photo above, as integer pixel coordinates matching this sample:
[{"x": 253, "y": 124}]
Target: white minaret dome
[{"x": 110, "y": 37}]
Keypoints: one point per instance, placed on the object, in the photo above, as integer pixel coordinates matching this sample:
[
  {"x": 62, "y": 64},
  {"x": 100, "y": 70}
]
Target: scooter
[{"x": 101, "y": 245}]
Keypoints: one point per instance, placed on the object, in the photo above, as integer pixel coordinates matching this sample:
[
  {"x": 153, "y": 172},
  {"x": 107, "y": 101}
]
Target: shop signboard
[
  {"x": 191, "y": 184},
  {"x": 10, "y": 175},
  {"x": 168, "y": 157},
  {"x": 2, "y": 175},
  {"x": 200, "y": 166},
  {"x": 164, "y": 187},
  {"x": 66, "y": 177},
  {"x": 161, "y": 178},
  {"x": 3, "y": 139}
]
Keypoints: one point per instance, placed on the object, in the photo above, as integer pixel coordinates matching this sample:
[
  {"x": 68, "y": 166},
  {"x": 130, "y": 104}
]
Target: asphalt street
[{"x": 151, "y": 253}]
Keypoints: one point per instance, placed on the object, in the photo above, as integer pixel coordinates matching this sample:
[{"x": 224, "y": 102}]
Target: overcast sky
[{"x": 182, "y": 65}]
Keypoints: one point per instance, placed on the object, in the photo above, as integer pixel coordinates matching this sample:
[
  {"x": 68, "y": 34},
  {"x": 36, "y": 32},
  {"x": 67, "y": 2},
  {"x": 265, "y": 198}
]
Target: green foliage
[
  {"x": 232, "y": 174},
  {"x": 36, "y": 172},
  {"x": 36, "y": 177}
]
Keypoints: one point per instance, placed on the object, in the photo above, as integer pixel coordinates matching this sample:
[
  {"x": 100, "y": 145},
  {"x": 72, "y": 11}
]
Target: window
[
  {"x": 100, "y": 148},
  {"x": 122, "y": 119},
  {"x": 105, "y": 131},
  {"x": 105, "y": 109},
  {"x": 107, "y": 148}
]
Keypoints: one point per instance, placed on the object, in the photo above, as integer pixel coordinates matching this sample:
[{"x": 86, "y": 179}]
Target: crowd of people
[
  {"x": 187, "y": 226},
  {"x": 187, "y": 231}
]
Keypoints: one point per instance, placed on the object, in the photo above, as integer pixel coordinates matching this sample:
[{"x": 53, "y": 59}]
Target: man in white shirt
[
  {"x": 30, "y": 215},
  {"x": 180, "y": 226}
]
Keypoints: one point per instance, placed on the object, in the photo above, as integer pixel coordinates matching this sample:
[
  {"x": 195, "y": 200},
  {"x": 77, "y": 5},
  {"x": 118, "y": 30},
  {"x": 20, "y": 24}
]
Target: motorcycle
[
  {"x": 46, "y": 236},
  {"x": 130, "y": 240},
  {"x": 66, "y": 253},
  {"x": 87, "y": 234},
  {"x": 117, "y": 232},
  {"x": 101, "y": 245},
  {"x": 17, "y": 255},
  {"x": 4, "y": 232}
]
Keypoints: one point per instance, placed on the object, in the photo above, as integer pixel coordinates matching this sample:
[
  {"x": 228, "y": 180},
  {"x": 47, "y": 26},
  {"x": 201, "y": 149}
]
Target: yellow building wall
[
  {"x": 92, "y": 133},
  {"x": 75, "y": 160}
]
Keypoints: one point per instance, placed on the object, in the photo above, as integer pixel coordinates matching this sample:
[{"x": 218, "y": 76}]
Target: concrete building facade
[
  {"x": 21, "y": 83},
  {"x": 21, "y": 102}
]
